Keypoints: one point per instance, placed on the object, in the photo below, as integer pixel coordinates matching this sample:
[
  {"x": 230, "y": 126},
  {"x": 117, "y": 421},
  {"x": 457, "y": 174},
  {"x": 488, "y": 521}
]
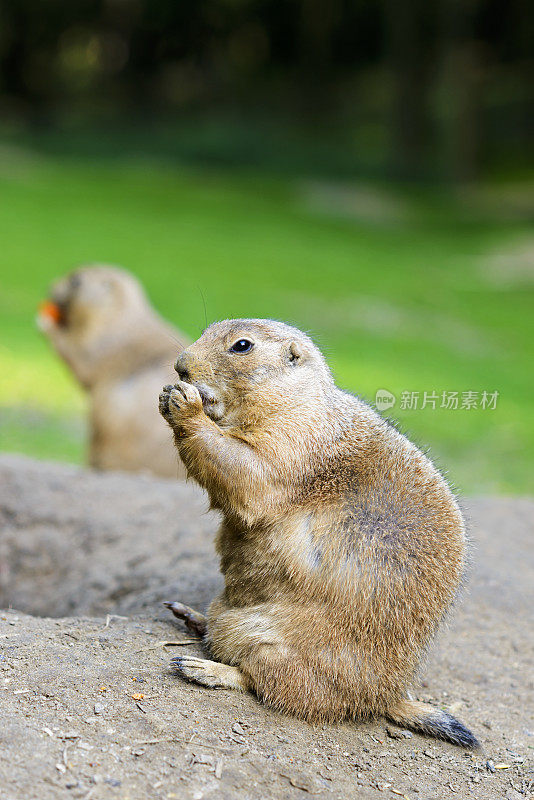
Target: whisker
[
  {"x": 174, "y": 339},
  {"x": 205, "y": 310}
]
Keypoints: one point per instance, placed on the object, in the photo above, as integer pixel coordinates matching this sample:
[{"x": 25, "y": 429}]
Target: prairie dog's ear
[{"x": 297, "y": 353}]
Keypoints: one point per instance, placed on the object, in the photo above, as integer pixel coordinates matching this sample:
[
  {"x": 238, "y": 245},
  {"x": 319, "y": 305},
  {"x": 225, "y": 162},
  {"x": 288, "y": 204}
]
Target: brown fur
[
  {"x": 120, "y": 351},
  {"x": 341, "y": 545}
]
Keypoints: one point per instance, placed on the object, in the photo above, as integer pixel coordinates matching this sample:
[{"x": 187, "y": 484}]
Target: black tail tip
[{"x": 446, "y": 727}]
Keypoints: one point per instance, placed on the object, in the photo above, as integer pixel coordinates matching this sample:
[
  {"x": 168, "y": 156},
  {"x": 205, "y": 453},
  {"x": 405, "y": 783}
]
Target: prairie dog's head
[
  {"x": 238, "y": 361},
  {"x": 91, "y": 300}
]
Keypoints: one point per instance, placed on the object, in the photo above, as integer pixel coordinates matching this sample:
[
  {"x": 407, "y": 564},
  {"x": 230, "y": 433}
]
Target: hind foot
[
  {"x": 194, "y": 621},
  {"x": 209, "y": 673}
]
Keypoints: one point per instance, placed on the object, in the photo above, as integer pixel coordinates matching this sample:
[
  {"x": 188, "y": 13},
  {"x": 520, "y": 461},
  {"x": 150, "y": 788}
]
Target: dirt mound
[
  {"x": 82, "y": 542},
  {"x": 90, "y": 709}
]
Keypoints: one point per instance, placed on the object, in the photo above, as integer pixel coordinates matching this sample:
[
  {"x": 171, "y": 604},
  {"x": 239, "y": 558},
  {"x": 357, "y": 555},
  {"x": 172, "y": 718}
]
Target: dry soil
[{"x": 91, "y": 710}]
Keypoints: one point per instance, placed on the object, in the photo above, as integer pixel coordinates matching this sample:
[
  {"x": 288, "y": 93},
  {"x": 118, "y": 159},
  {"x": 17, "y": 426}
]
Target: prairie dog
[
  {"x": 100, "y": 322},
  {"x": 341, "y": 545}
]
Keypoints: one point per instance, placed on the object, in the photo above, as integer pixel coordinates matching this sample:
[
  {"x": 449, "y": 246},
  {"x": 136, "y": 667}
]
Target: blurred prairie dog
[
  {"x": 100, "y": 322},
  {"x": 341, "y": 545}
]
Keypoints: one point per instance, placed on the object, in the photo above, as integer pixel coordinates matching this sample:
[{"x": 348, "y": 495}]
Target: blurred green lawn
[{"x": 402, "y": 292}]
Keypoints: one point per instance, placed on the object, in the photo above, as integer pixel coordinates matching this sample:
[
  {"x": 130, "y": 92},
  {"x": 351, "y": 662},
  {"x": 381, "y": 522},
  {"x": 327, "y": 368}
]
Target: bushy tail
[{"x": 432, "y": 721}]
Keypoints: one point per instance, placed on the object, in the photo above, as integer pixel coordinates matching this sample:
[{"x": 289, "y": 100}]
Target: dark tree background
[{"x": 425, "y": 88}]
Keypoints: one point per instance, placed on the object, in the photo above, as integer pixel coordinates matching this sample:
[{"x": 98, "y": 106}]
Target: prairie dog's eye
[{"x": 242, "y": 346}]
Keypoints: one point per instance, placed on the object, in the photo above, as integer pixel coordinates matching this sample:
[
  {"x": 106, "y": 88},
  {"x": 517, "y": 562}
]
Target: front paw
[
  {"x": 179, "y": 402},
  {"x": 164, "y": 400}
]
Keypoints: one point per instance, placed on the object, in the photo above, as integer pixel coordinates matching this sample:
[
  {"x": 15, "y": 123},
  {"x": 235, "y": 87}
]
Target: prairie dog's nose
[{"x": 181, "y": 365}]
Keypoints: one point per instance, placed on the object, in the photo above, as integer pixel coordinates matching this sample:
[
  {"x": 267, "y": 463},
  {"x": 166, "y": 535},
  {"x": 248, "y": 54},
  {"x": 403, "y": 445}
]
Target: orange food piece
[
  {"x": 138, "y": 696},
  {"x": 51, "y": 310}
]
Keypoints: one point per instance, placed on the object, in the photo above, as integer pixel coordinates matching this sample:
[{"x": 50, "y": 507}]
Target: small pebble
[
  {"x": 490, "y": 766},
  {"x": 237, "y": 728},
  {"x": 99, "y": 707}
]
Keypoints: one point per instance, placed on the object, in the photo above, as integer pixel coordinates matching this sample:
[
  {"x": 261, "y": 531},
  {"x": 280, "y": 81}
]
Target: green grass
[{"x": 396, "y": 289}]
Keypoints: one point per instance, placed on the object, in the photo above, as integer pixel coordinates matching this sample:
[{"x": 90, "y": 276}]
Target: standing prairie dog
[
  {"x": 341, "y": 545},
  {"x": 99, "y": 320}
]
